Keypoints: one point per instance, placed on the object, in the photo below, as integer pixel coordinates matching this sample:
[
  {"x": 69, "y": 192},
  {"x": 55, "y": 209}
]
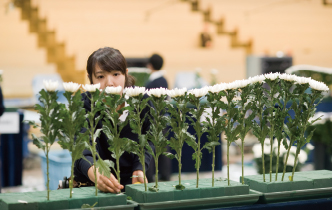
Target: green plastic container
[
  {"x": 306, "y": 185},
  {"x": 59, "y": 199},
  {"x": 205, "y": 196}
]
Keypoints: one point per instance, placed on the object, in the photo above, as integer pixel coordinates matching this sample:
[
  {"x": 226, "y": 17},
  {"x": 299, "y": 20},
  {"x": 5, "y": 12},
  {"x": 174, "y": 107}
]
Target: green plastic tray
[
  {"x": 295, "y": 195},
  {"x": 204, "y": 203}
]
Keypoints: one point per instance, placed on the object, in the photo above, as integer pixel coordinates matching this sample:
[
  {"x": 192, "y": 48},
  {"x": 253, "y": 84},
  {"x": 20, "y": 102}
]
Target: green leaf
[
  {"x": 36, "y": 141},
  {"x": 96, "y": 134},
  {"x": 169, "y": 155},
  {"x": 104, "y": 166},
  {"x": 87, "y": 206}
]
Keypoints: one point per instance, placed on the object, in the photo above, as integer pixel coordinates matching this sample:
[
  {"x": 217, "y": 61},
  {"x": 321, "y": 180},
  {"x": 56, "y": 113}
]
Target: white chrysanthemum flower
[
  {"x": 217, "y": 88},
  {"x": 113, "y": 90},
  {"x": 282, "y": 149},
  {"x": 288, "y": 77},
  {"x": 157, "y": 92},
  {"x": 1, "y": 71},
  {"x": 303, "y": 80},
  {"x": 302, "y": 157},
  {"x": 257, "y": 150},
  {"x": 199, "y": 92},
  {"x": 290, "y": 160},
  {"x": 71, "y": 87},
  {"x": 134, "y": 91},
  {"x": 176, "y": 92},
  {"x": 310, "y": 146},
  {"x": 91, "y": 88},
  {"x": 321, "y": 86},
  {"x": 272, "y": 76},
  {"x": 50, "y": 85},
  {"x": 255, "y": 79},
  {"x": 237, "y": 84}
]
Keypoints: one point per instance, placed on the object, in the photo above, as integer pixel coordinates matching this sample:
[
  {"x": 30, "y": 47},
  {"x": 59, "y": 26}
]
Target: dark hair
[
  {"x": 108, "y": 59},
  {"x": 156, "y": 61}
]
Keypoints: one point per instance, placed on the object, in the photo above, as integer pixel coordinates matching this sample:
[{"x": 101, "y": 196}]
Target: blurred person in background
[
  {"x": 157, "y": 80},
  {"x": 2, "y": 107}
]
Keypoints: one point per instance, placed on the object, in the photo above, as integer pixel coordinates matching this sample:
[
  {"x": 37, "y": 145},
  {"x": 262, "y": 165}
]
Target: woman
[{"x": 108, "y": 67}]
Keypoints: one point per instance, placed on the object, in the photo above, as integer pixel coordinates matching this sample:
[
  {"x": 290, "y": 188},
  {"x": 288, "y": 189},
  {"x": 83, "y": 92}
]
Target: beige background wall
[{"x": 303, "y": 28}]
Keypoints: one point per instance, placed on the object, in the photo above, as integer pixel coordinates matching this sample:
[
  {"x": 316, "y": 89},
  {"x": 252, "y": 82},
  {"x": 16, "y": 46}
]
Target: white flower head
[
  {"x": 290, "y": 160},
  {"x": 71, "y": 87},
  {"x": 272, "y": 76},
  {"x": 1, "y": 71},
  {"x": 157, "y": 92},
  {"x": 257, "y": 150},
  {"x": 255, "y": 79},
  {"x": 113, "y": 90},
  {"x": 321, "y": 86},
  {"x": 288, "y": 77},
  {"x": 50, "y": 85},
  {"x": 302, "y": 157},
  {"x": 91, "y": 88},
  {"x": 134, "y": 91},
  {"x": 237, "y": 84},
  {"x": 310, "y": 146},
  {"x": 176, "y": 92},
  {"x": 303, "y": 80},
  {"x": 198, "y": 93}
]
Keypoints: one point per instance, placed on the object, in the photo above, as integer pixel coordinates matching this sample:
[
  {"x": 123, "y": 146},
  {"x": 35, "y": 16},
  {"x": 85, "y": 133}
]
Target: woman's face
[{"x": 109, "y": 79}]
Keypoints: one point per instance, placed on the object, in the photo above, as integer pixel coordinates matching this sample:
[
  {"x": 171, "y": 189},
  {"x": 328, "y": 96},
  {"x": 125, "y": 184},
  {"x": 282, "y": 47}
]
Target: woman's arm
[{"x": 104, "y": 183}]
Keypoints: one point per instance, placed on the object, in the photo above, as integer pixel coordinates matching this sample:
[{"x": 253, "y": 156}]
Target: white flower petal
[
  {"x": 91, "y": 88},
  {"x": 272, "y": 76},
  {"x": 157, "y": 92},
  {"x": 71, "y": 87},
  {"x": 50, "y": 85},
  {"x": 177, "y": 92},
  {"x": 321, "y": 86},
  {"x": 134, "y": 91},
  {"x": 113, "y": 90},
  {"x": 198, "y": 93}
]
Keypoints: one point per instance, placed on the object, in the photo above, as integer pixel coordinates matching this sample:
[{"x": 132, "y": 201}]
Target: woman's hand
[
  {"x": 104, "y": 183},
  {"x": 138, "y": 177}
]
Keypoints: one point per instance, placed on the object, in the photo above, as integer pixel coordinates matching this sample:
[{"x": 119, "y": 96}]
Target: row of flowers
[
  {"x": 135, "y": 91},
  {"x": 248, "y": 107}
]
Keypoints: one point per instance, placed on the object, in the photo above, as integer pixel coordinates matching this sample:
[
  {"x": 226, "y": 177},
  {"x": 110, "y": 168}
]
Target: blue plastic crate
[{"x": 59, "y": 166}]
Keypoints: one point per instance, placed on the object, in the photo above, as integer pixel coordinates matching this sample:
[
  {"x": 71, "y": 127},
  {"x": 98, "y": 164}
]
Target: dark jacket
[
  {"x": 128, "y": 162},
  {"x": 2, "y": 107},
  {"x": 160, "y": 82}
]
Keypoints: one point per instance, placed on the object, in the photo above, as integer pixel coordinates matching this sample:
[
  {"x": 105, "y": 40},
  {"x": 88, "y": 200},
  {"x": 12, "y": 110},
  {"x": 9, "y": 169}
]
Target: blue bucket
[{"x": 59, "y": 166}]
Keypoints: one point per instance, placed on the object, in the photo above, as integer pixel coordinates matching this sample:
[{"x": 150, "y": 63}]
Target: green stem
[
  {"x": 295, "y": 164},
  {"x": 118, "y": 167},
  {"x": 278, "y": 161},
  {"x": 285, "y": 165},
  {"x": 213, "y": 160},
  {"x": 228, "y": 143},
  {"x": 242, "y": 159},
  {"x": 95, "y": 169},
  {"x": 71, "y": 178},
  {"x": 197, "y": 170},
  {"x": 263, "y": 162},
  {"x": 157, "y": 171},
  {"x": 143, "y": 165},
  {"x": 180, "y": 166},
  {"x": 271, "y": 150},
  {"x": 47, "y": 173}
]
